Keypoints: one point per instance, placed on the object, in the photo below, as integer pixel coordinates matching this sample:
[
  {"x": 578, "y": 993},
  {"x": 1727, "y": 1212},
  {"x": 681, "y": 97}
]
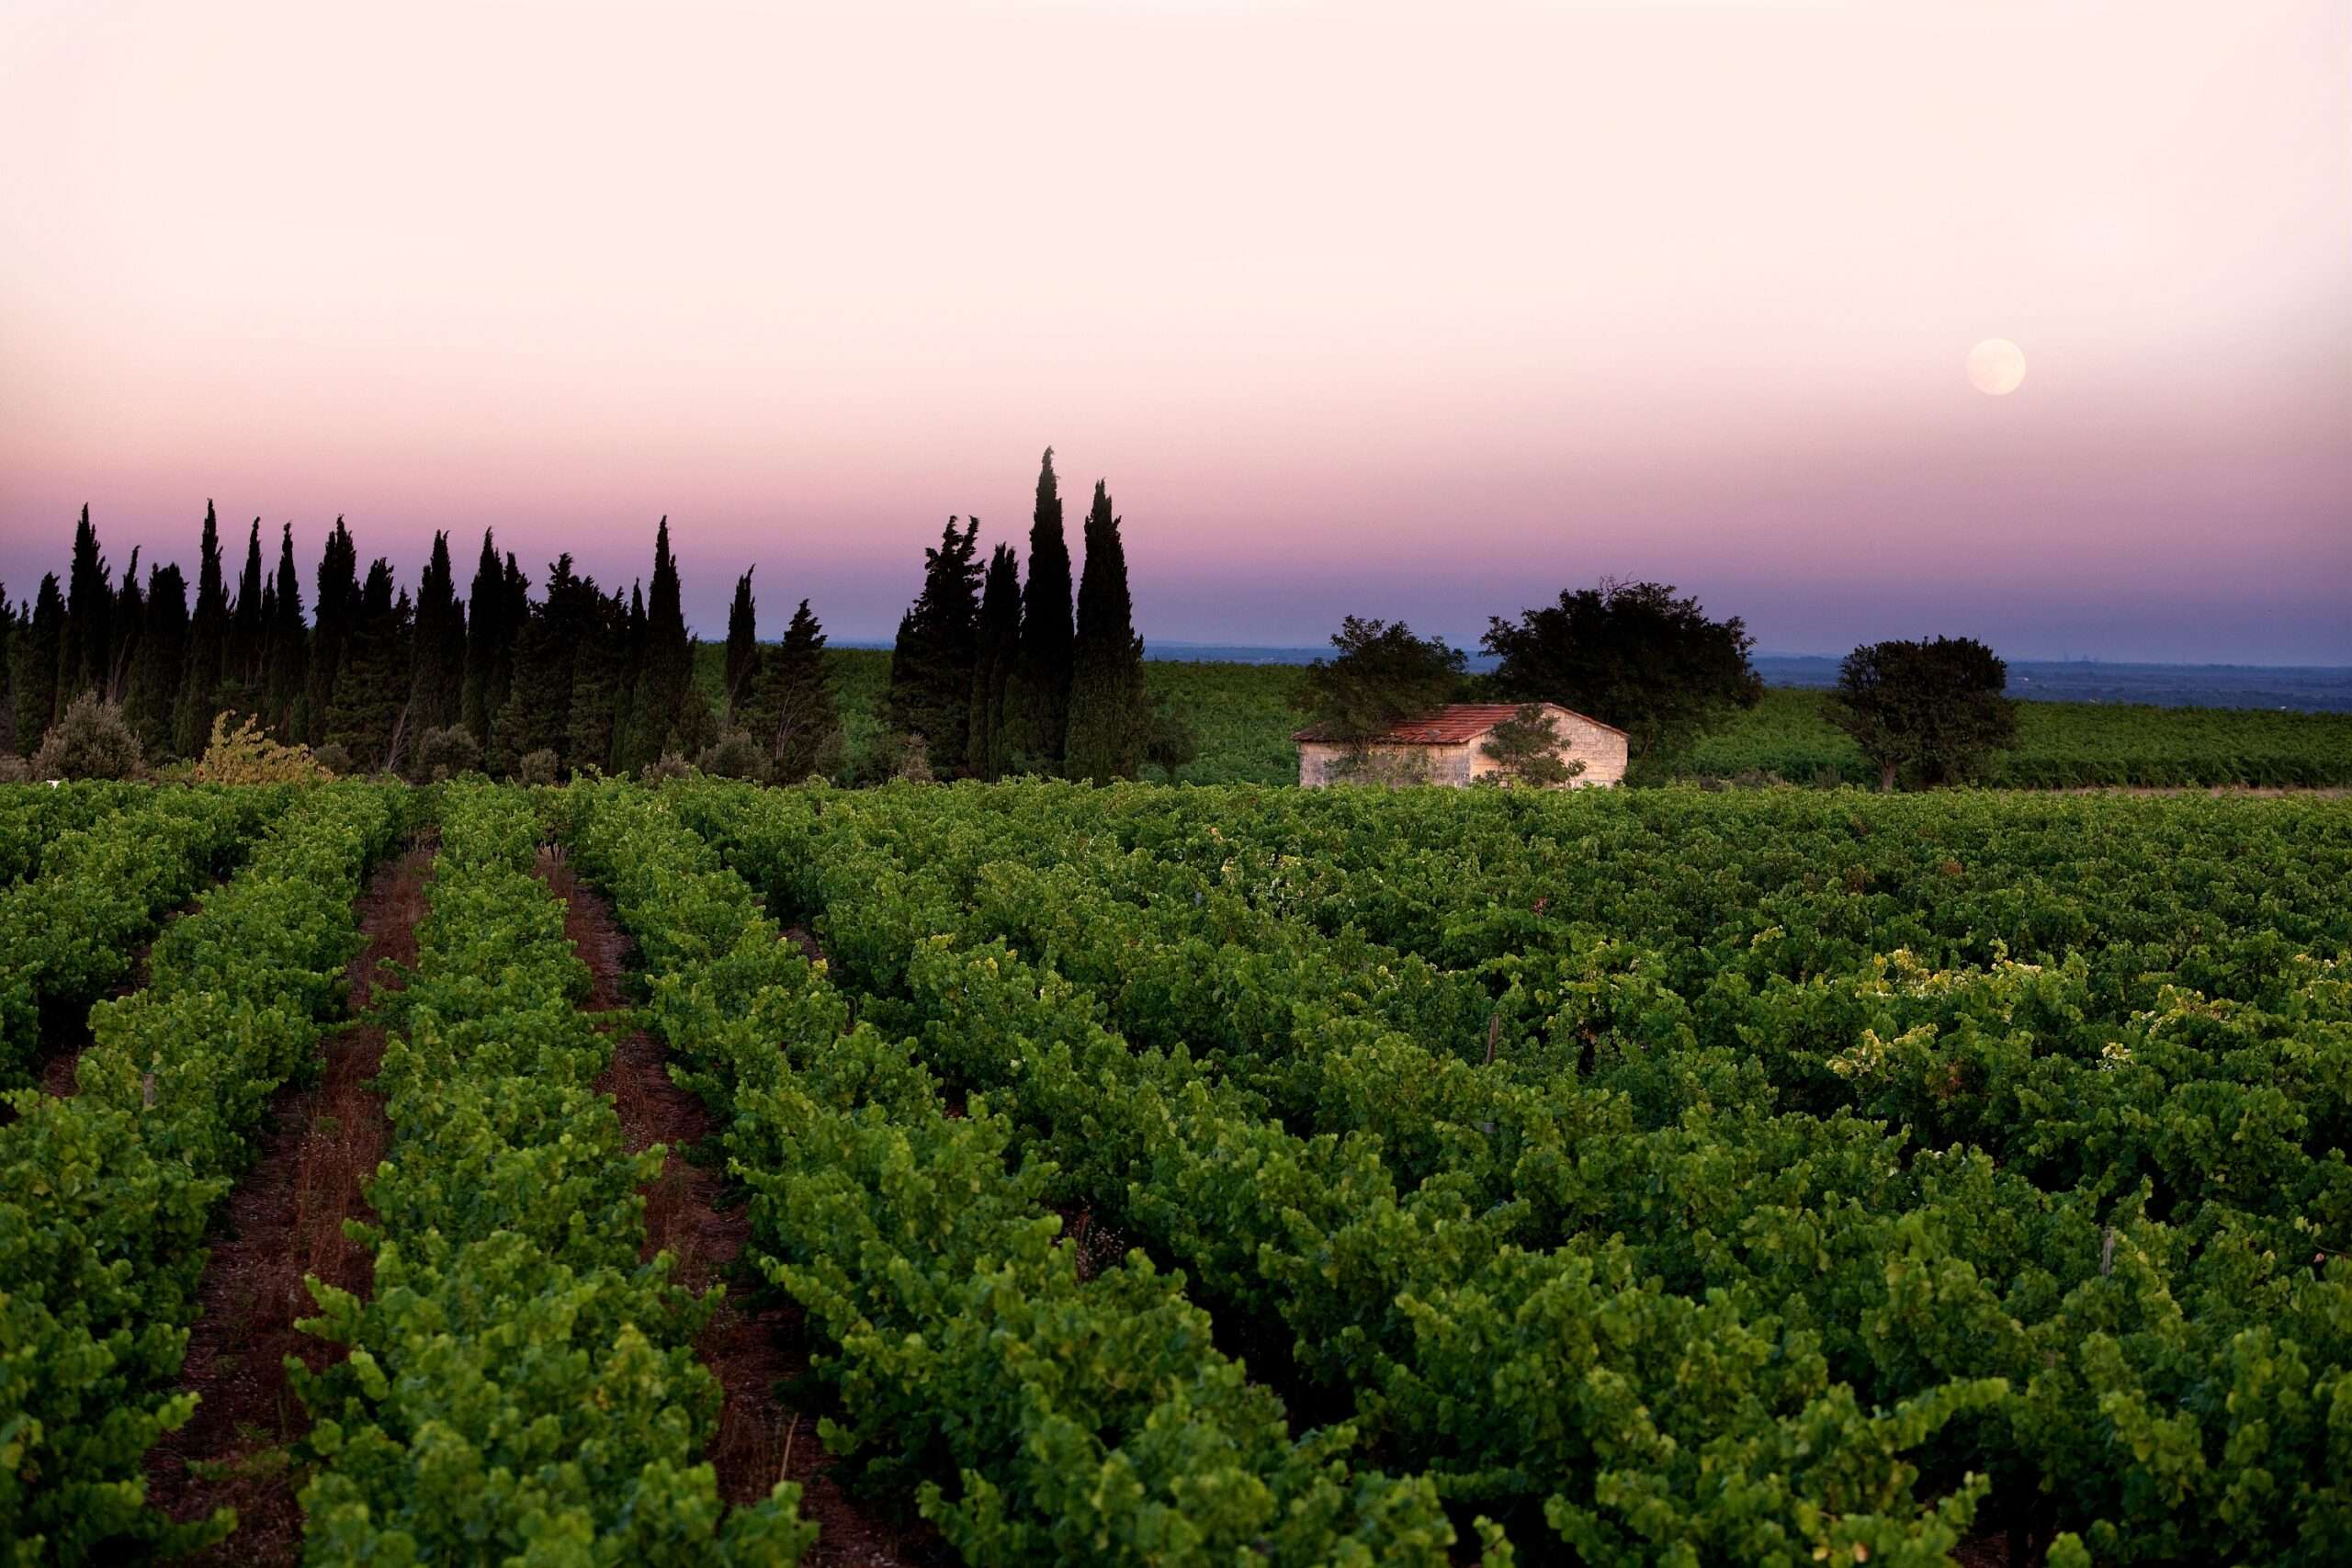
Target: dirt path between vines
[
  {"x": 760, "y": 1440},
  {"x": 282, "y": 1222}
]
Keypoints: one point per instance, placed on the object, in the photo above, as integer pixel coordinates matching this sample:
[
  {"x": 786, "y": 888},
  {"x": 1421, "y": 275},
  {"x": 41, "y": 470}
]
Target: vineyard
[{"x": 1221, "y": 1175}]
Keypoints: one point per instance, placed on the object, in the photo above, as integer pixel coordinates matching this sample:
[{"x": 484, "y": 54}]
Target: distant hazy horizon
[{"x": 1380, "y": 308}]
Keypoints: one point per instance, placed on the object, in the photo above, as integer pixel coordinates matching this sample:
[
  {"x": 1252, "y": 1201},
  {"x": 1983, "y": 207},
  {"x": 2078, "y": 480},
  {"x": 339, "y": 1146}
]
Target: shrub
[
  {"x": 15, "y": 770},
  {"x": 89, "y": 740},
  {"x": 734, "y": 755},
  {"x": 334, "y": 759},
  {"x": 445, "y": 753},
  {"x": 913, "y": 763},
  {"x": 245, "y": 756},
  {"x": 670, "y": 766},
  {"x": 538, "y": 767}
]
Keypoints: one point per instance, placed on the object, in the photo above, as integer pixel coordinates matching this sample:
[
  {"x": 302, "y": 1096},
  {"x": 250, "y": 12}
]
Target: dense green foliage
[
  {"x": 1629, "y": 654},
  {"x": 71, "y": 933},
  {"x": 1678, "y": 1175},
  {"x": 1042, "y": 1411},
  {"x": 2059, "y": 746},
  {"x": 1934, "y": 710},
  {"x": 520, "y": 1386},
  {"x": 104, "y": 1197},
  {"x": 1378, "y": 675}
]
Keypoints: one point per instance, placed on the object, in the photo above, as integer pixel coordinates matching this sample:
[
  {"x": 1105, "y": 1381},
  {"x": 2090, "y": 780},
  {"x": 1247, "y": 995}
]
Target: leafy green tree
[
  {"x": 1109, "y": 714},
  {"x": 1934, "y": 710},
  {"x": 159, "y": 667},
  {"x": 932, "y": 661},
  {"x": 436, "y": 690},
  {"x": 742, "y": 644},
  {"x": 1525, "y": 749},
  {"x": 1633, "y": 655},
  {"x": 991, "y": 744},
  {"x": 40, "y": 656},
  {"x": 1379, "y": 673},
  {"x": 198, "y": 700},
  {"x": 1048, "y": 640}
]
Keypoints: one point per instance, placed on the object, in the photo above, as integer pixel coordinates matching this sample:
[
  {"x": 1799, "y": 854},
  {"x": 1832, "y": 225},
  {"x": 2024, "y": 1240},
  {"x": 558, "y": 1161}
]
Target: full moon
[{"x": 1995, "y": 366}]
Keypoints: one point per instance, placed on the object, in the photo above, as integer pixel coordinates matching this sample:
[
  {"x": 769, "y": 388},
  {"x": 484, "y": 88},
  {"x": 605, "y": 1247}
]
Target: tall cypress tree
[
  {"x": 938, "y": 645},
  {"x": 248, "y": 626},
  {"x": 89, "y": 605},
  {"x": 208, "y": 630},
  {"x": 665, "y": 661},
  {"x": 288, "y": 659},
  {"x": 538, "y": 715},
  {"x": 742, "y": 645},
  {"x": 991, "y": 744},
  {"x": 10, "y": 625},
  {"x": 489, "y": 639},
  {"x": 366, "y": 717},
  {"x": 795, "y": 717},
  {"x": 600, "y": 671},
  {"x": 126, "y": 623},
  {"x": 331, "y": 617},
  {"x": 40, "y": 664},
  {"x": 437, "y": 688},
  {"x": 159, "y": 668},
  {"x": 1107, "y": 706},
  {"x": 1042, "y": 678}
]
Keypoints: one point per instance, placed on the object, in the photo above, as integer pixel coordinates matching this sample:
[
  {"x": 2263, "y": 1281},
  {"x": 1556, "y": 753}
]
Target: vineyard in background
[
  {"x": 1243, "y": 715},
  {"x": 1239, "y": 1173}
]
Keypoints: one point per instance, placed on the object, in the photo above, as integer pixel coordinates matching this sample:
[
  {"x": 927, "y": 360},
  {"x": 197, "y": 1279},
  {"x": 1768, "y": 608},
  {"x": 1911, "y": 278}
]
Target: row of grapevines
[
  {"x": 69, "y": 936},
  {"x": 1464, "y": 1351},
  {"x": 104, "y": 1197},
  {"x": 522, "y": 1384},
  {"x": 1046, "y": 1414},
  {"x": 32, "y": 815},
  {"x": 2191, "y": 1194}
]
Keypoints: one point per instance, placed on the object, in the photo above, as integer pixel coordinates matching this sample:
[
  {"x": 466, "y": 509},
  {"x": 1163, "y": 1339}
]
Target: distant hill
[{"x": 2301, "y": 689}]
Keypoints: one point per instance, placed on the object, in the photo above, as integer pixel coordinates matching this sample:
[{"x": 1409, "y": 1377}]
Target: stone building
[{"x": 1445, "y": 748}]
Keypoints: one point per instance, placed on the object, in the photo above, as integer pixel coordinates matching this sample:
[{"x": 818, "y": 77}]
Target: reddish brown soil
[
  {"x": 282, "y": 1222},
  {"x": 760, "y": 1440}
]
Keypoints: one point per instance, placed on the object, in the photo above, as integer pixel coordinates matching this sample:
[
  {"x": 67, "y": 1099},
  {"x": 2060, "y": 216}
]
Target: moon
[{"x": 1995, "y": 366}]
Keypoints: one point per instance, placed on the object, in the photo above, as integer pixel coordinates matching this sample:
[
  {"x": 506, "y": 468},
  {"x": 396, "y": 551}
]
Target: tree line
[{"x": 989, "y": 674}]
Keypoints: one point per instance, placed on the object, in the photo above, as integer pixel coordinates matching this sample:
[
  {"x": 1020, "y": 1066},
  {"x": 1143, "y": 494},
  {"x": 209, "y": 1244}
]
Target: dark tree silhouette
[
  {"x": 1633, "y": 655},
  {"x": 938, "y": 644},
  {"x": 208, "y": 630},
  {"x": 159, "y": 667},
  {"x": 437, "y": 683},
  {"x": 742, "y": 644},
  {"x": 284, "y": 705},
  {"x": 1048, "y": 638},
  {"x": 89, "y": 605},
  {"x": 990, "y": 746},
  {"x": 1109, "y": 717},
  {"x": 336, "y": 608},
  {"x": 1935, "y": 711},
  {"x": 1379, "y": 672}
]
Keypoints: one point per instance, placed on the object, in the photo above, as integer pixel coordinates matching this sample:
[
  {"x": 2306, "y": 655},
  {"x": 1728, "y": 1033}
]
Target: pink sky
[{"x": 1402, "y": 311}]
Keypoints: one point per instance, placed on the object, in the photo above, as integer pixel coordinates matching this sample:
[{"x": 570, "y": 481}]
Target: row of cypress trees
[
  {"x": 575, "y": 677},
  {"x": 992, "y": 675}
]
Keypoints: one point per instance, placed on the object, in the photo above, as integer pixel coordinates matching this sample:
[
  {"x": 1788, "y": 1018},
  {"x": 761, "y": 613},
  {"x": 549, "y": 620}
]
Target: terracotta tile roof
[{"x": 1450, "y": 726}]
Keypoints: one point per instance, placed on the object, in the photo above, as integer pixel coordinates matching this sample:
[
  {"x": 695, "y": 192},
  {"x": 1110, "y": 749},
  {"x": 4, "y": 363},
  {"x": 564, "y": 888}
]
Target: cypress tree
[
  {"x": 331, "y": 617},
  {"x": 208, "y": 630},
  {"x": 798, "y": 722},
  {"x": 366, "y": 714},
  {"x": 40, "y": 662},
  {"x": 742, "y": 644},
  {"x": 1107, "y": 706},
  {"x": 990, "y": 746},
  {"x": 285, "y": 666},
  {"x": 159, "y": 670},
  {"x": 9, "y": 627},
  {"x": 538, "y": 715},
  {"x": 247, "y": 624},
  {"x": 1042, "y": 678},
  {"x": 89, "y": 603},
  {"x": 436, "y": 696},
  {"x": 938, "y": 645},
  {"x": 126, "y": 620},
  {"x": 666, "y": 664},
  {"x": 493, "y": 619},
  {"x": 599, "y": 677}
]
